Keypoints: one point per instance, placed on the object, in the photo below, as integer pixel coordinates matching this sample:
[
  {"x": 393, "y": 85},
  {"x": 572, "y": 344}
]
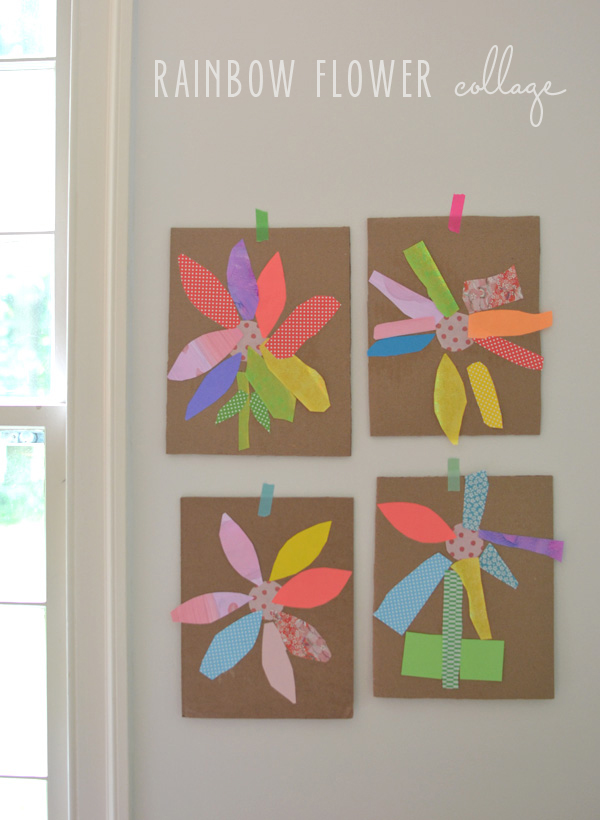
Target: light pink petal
[
  {"x": 405, "y": 327},
  {"x": 204, "y": 609},
  {"x": 239, "y": 550},
  {"x": 206, "y": 293},
  {"x": 276, "y": 663},
  {"x": 203, "y": 353},
  {"x": 407, "y": 300},
  {"x": 271, "y": 294}
]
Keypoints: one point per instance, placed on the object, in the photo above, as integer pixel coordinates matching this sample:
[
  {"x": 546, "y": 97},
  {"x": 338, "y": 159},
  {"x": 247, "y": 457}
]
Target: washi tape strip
[
  {"x": 458, "y": 202},
  {"x": 266, "y": 500},
  {"x": 262, "y": 226}
]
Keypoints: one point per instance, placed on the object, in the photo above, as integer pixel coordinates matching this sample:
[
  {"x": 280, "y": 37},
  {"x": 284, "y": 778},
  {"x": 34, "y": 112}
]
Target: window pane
[
  {"x": 23, "y": 690},
  {"x": 27, "y": 148},
  {"x": 26, "y": 327},
  {"x": 23, "y": 799},
  {"x": 28, "y": 28},
  {"x": 22, "y": 517}
]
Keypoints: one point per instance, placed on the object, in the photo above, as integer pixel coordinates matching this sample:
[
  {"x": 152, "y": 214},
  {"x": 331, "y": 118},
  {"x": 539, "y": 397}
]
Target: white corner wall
[{"x": 309, "y": 161}]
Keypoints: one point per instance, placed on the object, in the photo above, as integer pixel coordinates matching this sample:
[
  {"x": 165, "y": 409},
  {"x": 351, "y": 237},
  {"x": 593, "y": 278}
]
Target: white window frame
[{"x": 96, "y": 427}]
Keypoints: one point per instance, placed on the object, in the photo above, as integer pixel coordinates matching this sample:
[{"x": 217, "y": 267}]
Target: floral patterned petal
[
  {"x": 241, "y": 282},
  {"x": 204, "y": 609},
  {"x": 206, "y": 293},
  {"x": 203, "y": 353},
  {"x": 302, "y": 639}
]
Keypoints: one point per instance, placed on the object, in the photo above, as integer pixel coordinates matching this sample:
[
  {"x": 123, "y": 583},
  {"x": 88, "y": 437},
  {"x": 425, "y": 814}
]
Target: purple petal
[
  {"x": 214, "y": 385},
  {"x": 203, "y": 353},
  {"x": 543, "y": 546},
  {"x": 241, "y": 281},
  {"x": 204, "y": 609},
  {"x": 408, "y": 301},
  {"x": 239, "y": 550}
]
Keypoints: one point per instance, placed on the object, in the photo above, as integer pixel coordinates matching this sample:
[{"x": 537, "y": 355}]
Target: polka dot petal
[
  {"x": 206, "y": 293},
  {"x": 485, "y": 394},
  {"x": 230, "y": 645},
  {"x": 512, "y": 352},
  {"x": 303, "y": 322}
]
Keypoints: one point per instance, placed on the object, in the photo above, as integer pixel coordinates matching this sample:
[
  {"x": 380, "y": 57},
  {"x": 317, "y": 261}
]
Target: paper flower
[
  {"x": 282, "y": 633},
  {"x": 248, "y": 311},
  {"x": 465, "y": 544},
  {"x": 440, "y": 317}
]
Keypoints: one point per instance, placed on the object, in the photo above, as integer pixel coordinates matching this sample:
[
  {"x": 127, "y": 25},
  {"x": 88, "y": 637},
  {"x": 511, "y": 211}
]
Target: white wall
[{"x": 310, "y": 161}]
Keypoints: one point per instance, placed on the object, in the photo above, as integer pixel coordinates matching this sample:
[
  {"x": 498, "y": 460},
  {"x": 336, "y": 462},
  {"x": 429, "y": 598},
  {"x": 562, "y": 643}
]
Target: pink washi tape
[{"x": 458, "y": 202}]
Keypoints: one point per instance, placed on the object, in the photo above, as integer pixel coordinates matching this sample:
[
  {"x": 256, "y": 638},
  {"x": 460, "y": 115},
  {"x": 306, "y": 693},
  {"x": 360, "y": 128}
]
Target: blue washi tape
[{"x": 266, "y": 500}]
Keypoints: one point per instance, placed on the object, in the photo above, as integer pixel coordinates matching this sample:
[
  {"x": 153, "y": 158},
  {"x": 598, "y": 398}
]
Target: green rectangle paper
[{"x": 480, "y": 660}]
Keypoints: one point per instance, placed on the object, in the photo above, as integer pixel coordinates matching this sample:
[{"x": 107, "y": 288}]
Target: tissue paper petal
[
  {"x": 214, "y": 385},
  {"x": 543, "y": 546},
  {"x": 279, "y": 401},
  {"x": 408, "y": 301},
  {"x": 449, "y": 398},
  {"x": 421, "y": 261},
  {"x": 470, "y": 574},
  {"x": 203, "y": 353},
  {"x": 303, "y": 381},
  {"x": 241, "y": 282}
]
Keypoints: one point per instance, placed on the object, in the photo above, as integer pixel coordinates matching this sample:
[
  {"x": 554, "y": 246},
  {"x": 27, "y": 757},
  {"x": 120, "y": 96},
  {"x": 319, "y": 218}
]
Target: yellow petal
[
  {"x": 485, "y": 394},
  {"x": 449, "y": 398},
  {"x": 300, "y": 550},
  {"x": 303, "y": 381},
  {"x": 470, "y": 574}
]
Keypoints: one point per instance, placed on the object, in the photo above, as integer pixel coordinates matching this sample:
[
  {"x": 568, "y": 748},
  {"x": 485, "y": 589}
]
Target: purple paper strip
[
  {"x": 214, "y": 385},
  {"x": 241, "y": 281},
  {"x": 543, "y": 546},
  {"x": 410, "y": 303}
]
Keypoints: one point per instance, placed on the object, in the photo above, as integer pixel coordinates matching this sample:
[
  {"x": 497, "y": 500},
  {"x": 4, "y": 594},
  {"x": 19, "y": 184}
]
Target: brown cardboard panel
[
  {"x": 401, "y": 387},
  {"x": 324, "y": 690},
  {"x": 316, "y": 261},
  {"x": 522, "y": 617}
]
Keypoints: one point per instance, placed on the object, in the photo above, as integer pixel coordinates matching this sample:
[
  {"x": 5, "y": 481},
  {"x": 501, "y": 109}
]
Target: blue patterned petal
[
  {"x": 493, "y": 564},
  {"x": 230, "y": 645},
  {"x": 476, "y": 490}
]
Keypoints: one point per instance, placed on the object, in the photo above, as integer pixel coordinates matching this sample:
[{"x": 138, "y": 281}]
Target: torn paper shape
[
  {"x": 470, "y": 574},
  {"x": 241, "y": 282},
  {"x": 485, "y": 394},
  {"x": 203, "y": 353},
  {"x": 207, "y": 608},
  {"x": 279, "y": 401},
  {"x": 485, "y": 294},
  {"x": 491, "y": 562},
  {"x": 266, "y": 500},
  {"x": 313, "y": 587},
  {"x": 303, "y": 323},
  {"x": 456, "y": 210},
  {"x": 239, "y": 550},
  {"x": 276, "y": 663},
  {"x": 404, "y": 601},
  {"x": 476, "y": 492},
  {"x": 259, "y": 411},
  {"x": 408, "y": 301},
  {"x": 452, "y": 627},
  {"x": 449, "y": 398},
  {"x": 244, "y": 414},
  {"x": 207, "y": 294},
  {"x": 404, "y": 327},
  {"x": 398, "y": 345},
  {"x": 421, "y": 261},
  {"x": 302, "y": 639},
  {"x": 416, "y": 521},
  {"x": 214, "y": 385},
  {"x": 454, "y": 475},
  {"x": 507, "y": 323},
  {"x": 271, "y": 295},
  {"x": 262, "y": 225},
  {"x": 230, "y": 645},
  {"x": 512, "y": 352},
  {"x": 232, "y": 407},
  {"x": 307, "y": 384},
  {"x": 300, "y": 551},
  {"x": 543, "y": 546},
  {"x": 479, "y": 660}
]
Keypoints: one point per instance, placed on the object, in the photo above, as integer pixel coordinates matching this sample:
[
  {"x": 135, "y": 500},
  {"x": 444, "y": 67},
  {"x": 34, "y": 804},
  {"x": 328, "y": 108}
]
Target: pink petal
[
  {"x": 203, "y": 353},
  {"x": 204, "y": 609},
  {"x": 276, "y": 663},
  {"x": 313, "y": 587},
  {"x": 206, "y": 293},
  {"x": 271, "y": 294},
  {"x": 302, "y": 639},
  {"x": 408, "y": 301},
  {"x": 303, "y": 322},
  {"x": 239, "y": 550}
]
